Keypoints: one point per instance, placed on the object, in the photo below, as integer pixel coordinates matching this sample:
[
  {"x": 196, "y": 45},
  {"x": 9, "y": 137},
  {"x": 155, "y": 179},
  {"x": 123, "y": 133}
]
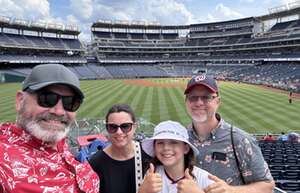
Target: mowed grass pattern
[{"x": 250, "y": 107}]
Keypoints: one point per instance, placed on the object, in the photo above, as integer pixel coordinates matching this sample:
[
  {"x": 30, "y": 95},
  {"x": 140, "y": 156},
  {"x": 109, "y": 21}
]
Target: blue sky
[{"x": 84, "y": 12}]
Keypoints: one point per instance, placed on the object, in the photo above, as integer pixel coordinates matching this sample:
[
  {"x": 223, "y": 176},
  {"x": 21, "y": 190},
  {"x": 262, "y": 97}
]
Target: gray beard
[{"x": 45, "y": 134}]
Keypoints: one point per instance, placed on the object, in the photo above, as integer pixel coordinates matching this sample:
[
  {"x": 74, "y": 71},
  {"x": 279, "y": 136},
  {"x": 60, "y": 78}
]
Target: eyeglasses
[
  {"x": 205, "y": 99},
  {"x": 49, "y": 99},
  {"x": 112, "y": 128}
]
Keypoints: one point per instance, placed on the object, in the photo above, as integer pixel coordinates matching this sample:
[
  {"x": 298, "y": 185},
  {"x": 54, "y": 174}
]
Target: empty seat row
[
  {"x": 287, "y": 185},
  {"x": 293, "y": 175},
  {"x": 283, "y": 156},
  {"x": 282, "y": 149},
  {"x": 284, "y": 167},
  {"x": 280, "y": 161}
]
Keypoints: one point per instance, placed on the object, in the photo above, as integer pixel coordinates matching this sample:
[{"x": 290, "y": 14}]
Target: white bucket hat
[{"x": 167, "y": 130}]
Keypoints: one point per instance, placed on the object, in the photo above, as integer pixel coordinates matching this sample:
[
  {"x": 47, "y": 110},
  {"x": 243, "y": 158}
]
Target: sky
[{"x": 83, "y": 13}]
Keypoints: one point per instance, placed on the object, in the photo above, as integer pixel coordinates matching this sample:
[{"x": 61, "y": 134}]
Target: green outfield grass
[{"x": 249, "y": 107}]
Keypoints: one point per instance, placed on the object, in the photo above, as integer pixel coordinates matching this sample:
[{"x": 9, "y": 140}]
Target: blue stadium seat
[
  {"x": 291, "y": 161},
  {"x": 279, "y": 156},
  {"x": 290, "y": 186},
  {"x": 277, "y": 167},
  {"x": 86, "y": 152},
  {"x": 277, "y": 174},
  {"x": 290, "y": 175},
  {"x": 293, "y": 167},
  {"x": 277, "y": 161}
]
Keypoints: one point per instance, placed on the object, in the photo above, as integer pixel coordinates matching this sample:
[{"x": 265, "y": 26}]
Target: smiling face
[
  {"x": 47, "y": 124},
  {"x": 171, "y": 152},
  {"x": 205, "y": 107},
  {"x": 119, "y": 138}
]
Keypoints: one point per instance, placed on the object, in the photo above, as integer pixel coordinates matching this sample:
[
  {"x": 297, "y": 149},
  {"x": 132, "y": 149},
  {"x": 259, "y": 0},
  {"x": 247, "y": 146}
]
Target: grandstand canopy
[
  {"x": 225, "y": 23},
  {"x": 136, "y": 25},
  {"x": 6, "y": 22},
  {"x": 280, "y": 14}
]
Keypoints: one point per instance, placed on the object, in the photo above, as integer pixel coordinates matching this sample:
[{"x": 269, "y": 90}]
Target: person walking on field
[{"x": 290, "y": 97}]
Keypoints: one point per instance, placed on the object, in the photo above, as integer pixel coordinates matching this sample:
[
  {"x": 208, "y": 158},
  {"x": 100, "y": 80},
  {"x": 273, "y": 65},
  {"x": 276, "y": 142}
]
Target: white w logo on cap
[{"x": 200, "y": 77}]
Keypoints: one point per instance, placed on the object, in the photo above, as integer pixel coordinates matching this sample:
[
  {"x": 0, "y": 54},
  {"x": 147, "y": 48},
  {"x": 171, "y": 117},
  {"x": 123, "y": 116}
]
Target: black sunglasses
[
  {"x": 112, "y": 128},
  {"x": 49, "y": 99}
]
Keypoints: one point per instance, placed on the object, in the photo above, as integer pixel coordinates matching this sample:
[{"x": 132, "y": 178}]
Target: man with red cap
[{"x": 227, "y": 152}]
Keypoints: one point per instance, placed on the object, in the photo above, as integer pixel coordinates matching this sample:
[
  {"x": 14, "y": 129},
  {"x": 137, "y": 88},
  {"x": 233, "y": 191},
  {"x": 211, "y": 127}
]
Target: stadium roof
[
  {"x": 284, "y": 13},
  {"x": 7, "y": 22},
  {"x": 275, "y": 13},
  {"x": 135, "y": 24}
]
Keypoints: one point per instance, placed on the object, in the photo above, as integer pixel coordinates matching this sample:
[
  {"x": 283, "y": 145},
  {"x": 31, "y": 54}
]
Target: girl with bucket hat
[{"x": 172, "y": 168}]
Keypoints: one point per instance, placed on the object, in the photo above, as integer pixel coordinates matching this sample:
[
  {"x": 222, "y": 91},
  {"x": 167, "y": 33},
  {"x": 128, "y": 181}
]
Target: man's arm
[{"x": 220, "y": 186}]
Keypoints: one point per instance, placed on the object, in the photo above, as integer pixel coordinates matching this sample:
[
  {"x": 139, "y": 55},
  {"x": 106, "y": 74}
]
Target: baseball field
[{"x": 253, "y": 108}]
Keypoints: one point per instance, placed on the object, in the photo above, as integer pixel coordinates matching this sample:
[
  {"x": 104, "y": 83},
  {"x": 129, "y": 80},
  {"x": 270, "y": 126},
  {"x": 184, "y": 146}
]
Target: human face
[
  {"x": 47, "y": 124},
  {"x": 119, "y": 138},
  {"x": 170, "y": 152},
  {"x": 200, "y": 110}
]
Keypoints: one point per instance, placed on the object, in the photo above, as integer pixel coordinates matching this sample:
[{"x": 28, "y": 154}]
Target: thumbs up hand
[
  {"x": 151, "y": 169},
  {"x": 152, "y": 181},
  {"x": 220, "y": 186},
  {"x": 188, "y": 184}
]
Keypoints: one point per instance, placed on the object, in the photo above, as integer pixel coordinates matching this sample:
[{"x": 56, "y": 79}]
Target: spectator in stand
[
  {"x": 140, "y": 136},
  {"x": 34, "y": 156},
  {"x": 227, "y": 152},
  {"x": 120, "y": 164},
  {"x": 283, "y": 137},
  {"x": 269, "y": 137},
  {"x": 293, "y": 137}
]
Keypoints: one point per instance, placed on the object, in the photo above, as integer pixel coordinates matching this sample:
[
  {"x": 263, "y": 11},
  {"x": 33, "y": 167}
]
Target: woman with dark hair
[
  {"x": 120, "y": 164},
  {"x": 172, "y": 168}
]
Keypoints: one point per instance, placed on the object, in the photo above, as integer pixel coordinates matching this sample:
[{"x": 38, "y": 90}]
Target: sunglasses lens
[
  {"x": 112, "y": 128},
  {"x": 50, "y": 99},
  {"x": 126, "y": 127},
  {"x": 47, "y": 99},
  {"x": 71, "y": 103}
]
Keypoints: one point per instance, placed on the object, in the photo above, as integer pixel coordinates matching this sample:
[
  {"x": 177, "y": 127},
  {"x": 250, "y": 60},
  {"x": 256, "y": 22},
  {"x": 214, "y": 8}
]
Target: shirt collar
[{"x": 213, "y": 134}]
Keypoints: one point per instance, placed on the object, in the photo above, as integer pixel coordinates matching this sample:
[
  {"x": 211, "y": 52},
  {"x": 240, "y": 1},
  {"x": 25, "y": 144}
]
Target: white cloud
[
  {"x": 283, "y": 2},
  {"x": 102, "y": 11},
  {"x": 169, "y": 12},
  {"x": 227, "y": 12},
  {"x": 71, "y": 19},
  {"x": 29, "y": 9},
  {"x": 164, "y": 11},
  {"x": 82, "y": 8},
  {"x": 247, "y": 1},
  {"x": 211, "y": 18}
]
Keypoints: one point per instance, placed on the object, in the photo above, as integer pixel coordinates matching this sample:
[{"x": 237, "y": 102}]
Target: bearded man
[{"x": 34, "y": 156}]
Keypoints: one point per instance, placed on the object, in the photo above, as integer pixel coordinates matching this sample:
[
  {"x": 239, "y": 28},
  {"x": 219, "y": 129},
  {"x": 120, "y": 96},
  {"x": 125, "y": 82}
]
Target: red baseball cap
[{"x": 202, "y": 79}]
